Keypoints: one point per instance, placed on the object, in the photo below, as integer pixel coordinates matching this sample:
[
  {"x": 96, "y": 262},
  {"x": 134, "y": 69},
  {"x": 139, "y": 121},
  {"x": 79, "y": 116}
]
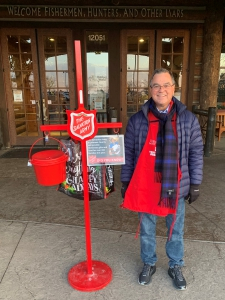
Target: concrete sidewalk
[
  {"x": 36, "y": 258},
  {"x": 42, "y": 237}
]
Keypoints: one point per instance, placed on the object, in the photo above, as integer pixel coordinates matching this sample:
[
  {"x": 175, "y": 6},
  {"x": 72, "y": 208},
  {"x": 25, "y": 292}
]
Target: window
[
  {"x": 97, "y": 72},
  {"x": 221, "y": 85},
  {"x": 137, "y": 72}
]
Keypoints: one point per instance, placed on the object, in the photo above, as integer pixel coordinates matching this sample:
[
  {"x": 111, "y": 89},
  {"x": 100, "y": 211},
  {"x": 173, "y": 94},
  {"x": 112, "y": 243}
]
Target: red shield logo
[{"x": 82, "y": 125}]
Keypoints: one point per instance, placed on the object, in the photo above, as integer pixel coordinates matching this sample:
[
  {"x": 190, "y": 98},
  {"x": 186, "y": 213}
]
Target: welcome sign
[{"x": 102, "y": 13}]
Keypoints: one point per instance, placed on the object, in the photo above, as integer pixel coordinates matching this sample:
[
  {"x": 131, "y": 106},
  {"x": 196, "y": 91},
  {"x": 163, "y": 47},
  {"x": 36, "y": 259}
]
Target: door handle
[
  {"x": 45, "y": 111},
  {"x": 38, "y": 110}
]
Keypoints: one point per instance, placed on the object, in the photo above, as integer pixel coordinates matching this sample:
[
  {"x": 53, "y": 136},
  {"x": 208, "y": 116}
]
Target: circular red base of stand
[{"x": 79, "y": 278}]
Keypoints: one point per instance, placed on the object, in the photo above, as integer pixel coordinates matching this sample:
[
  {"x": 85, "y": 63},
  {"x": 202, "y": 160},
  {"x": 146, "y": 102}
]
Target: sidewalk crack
[{"x": 13, "y": 253}]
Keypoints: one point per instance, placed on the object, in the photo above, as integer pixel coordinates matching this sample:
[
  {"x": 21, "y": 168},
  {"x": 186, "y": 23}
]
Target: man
[{"x": 164, "y": 165}]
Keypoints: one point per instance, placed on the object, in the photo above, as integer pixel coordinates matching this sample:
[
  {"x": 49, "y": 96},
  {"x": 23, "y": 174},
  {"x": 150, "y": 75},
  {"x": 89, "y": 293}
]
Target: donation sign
[{"x": 106, "y": 149}]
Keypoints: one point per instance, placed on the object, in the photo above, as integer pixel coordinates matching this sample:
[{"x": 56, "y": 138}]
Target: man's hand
[
  {"x": 124, "y": 188},
  {"x": 193, "y": 193}
]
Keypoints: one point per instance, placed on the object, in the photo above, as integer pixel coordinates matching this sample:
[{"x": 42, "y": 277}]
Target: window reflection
[
  {"x": 62, "y": 62},
  {"x": 49, "y": 45},
  {"x": 27, "y": 63},
  {"x": 144, "y": 45},
  {"x": 177, "y": 62},
  {"x": 178, "y": 45},
  {"x": 131, "y": 62},
  {"x": 137, "y": 72},
  {"x": 50, "y": 63},
  {"x": 132, "y": 44},
  {"x": 221, "y": 84},
  {"x": 61, "y": 42},
  {"x": 62, "y": 79},
  {"x": 13, "y": 43},
  {"x": 97, "y": 72},
  {"x": 166, "y": 61},
  {"x": 143, "y": 79},
  {"x": 132, "y": 79},
  {"x": 172, "y": 60},
  {"x": 143, "y": 62},
  {"x": 56, "y": 79},
  {"x": 166, "y": 45},
  {"x": 97, "y": 65},
  {"x": 25, "y": 44},
  {"x": 14, "y": 60},
  {"x": 22, "y": 83}
]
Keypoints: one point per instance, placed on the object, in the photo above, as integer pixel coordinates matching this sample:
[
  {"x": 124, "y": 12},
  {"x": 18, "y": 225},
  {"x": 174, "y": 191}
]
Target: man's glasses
[{"x": 157, "y": 87}]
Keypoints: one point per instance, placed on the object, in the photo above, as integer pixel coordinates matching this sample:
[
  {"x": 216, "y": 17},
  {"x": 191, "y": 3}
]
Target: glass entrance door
[
  {"x": 38, "y": 69},
  {"x": 137, "y": 63},
  {"x": 56, "y": 69},
  {"x": 21, "y": 84},
  {"x": 172, "y": 54},
  {"x": 138, "y": 58},
  {"x": 97, "y": 72},
  {"x": 142, "y": 52}
]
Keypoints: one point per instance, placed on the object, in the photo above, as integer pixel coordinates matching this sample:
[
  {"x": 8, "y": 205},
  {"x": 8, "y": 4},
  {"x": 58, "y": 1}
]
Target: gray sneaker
[
  {"x": 178, "y": 278},
  {"x": 146, "y": 274}
]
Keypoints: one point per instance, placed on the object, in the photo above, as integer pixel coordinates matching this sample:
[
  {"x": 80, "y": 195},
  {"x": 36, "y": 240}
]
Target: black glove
[
  {"x": 124, "y": 188},
  {"x": 193, "y": 193}
]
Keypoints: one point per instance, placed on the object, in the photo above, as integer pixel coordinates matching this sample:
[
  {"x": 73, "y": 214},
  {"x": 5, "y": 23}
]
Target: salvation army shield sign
[{"x": 82, "y": 125}]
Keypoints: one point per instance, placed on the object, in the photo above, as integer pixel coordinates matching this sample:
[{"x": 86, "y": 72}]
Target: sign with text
[
  {"x": 82, "y": 124},
  {"x": 102, "y": 13},
  {"x": 17, "y": 95},
  {"x": 105, "y": 149}
]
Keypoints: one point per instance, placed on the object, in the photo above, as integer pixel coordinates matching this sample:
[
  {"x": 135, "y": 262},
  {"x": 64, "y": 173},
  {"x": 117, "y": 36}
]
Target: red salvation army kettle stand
[{"x": 89, "y": 275}]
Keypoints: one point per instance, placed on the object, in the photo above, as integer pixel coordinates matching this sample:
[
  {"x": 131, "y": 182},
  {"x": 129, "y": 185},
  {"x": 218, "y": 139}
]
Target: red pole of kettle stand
[
  {"x": 86, "y": 208},
  {"x": 90, "y": 275}
]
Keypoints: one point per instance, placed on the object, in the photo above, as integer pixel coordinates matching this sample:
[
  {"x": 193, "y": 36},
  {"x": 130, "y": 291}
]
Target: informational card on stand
[{"x": 105, "y": 149}]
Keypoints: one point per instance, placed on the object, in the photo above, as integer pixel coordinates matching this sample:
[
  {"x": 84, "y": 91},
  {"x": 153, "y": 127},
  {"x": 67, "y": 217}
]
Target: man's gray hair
[{"x": 159, "y": 71}]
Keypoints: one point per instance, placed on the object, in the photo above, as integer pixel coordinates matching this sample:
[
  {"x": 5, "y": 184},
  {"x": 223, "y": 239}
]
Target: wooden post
[
  {"x": 212, "y": 43},
  {"x": 210, "y": 131}
]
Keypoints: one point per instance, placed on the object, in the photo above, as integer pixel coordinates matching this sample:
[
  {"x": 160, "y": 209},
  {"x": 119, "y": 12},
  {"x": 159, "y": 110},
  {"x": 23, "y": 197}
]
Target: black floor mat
[{"x": 22, "y": 153}]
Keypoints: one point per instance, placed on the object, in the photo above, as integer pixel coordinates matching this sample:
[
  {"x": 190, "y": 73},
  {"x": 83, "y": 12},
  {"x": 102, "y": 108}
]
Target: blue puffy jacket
[{"x": 190, "y": 145}]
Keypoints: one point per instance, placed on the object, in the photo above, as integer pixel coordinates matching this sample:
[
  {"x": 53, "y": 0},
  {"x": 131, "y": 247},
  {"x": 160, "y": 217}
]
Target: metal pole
[
  {"x": 86, "y": 208},
  {"x": 210, "y": 131}
]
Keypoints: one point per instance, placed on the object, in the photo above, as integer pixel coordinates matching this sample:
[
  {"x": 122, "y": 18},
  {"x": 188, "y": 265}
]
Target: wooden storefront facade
[{"x": 122, "y": 43}]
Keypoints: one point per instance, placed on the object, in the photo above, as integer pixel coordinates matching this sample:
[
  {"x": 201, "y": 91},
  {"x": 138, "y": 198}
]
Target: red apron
[{"x": 143, "y": 193}]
